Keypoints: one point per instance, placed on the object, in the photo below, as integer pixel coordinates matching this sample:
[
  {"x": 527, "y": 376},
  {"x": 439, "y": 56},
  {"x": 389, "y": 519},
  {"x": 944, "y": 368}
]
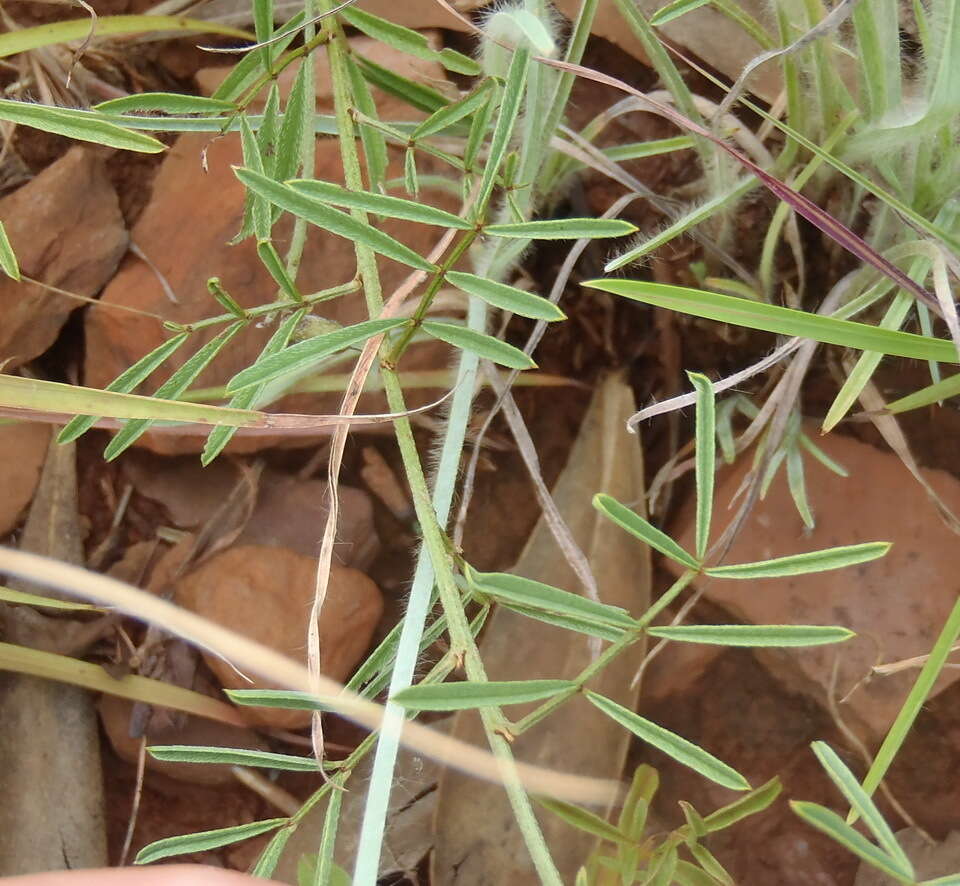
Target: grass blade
[
  {"x": 287, "y": 699},
  {"x": 782, "y": 321},
  {"x": 306, "y": 353},
  {"x": 466, "y": 696},
  {"x": 25, "y": 39},
  {"x": 681, "y": 750},
  {"x": 674, "y": 10},
  {"x": 633, "y": 523},
  {"x": 486, "y": 346},
  {"x": 706, "y": 458},
  {"x": 802, "y": 564},
  {"x": 754, "y": 636},
  {"x": 454, "y": 113},
  {"x": 508, "y": 298},
  {"x": 267, "y": 862},
  {"x": 332, "y": 220},
  {"x": 205, "y": 840}
]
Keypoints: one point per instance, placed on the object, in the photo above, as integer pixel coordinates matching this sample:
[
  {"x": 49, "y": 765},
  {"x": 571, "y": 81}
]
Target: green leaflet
[
  {"x": 306, "y": 353},
  {"x": 564, "y": 229},
  {"x": 671, "y": 744},
  {"x": 754, "y": 635},
  {"x": 465, "y": 695},
  {"x": 508, "y": 298},
  {"x": 205, "y": 840},
  {"x": 633, "y": 523},
  {"x": 486, "y": 346},
  {"x": 86, "y": 126},
  {"x": 233, "y": 757},
  {"x": 332, "y": 220},
  {"x": 802, "y": 564}
]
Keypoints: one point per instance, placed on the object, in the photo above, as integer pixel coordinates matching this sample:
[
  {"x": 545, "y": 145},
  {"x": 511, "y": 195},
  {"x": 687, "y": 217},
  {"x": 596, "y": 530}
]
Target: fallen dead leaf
[
  {"x": 477, "y": 839},
  {"x": 265, "y": 593},
  {"x": 67, "y": 231}
]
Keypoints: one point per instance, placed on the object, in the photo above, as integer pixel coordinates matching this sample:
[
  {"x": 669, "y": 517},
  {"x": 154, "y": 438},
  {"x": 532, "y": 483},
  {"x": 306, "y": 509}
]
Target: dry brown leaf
[{"x": 476, "y": 837}]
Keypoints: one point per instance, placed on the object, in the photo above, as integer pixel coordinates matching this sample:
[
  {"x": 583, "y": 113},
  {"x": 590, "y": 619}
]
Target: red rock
[
  {"x": 23, "y": 451},
  {"x": 897, "y": 604},
  {"x": 265, "y": 593},
  {"x": 66, "y": 229}
]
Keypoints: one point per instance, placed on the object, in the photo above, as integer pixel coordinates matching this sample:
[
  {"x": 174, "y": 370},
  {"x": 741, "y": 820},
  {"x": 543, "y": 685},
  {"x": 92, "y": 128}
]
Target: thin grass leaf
[
  {"x": 124, "y": 384},
  {"x": 534, "y": 594},
  {"x": 861, "y": 804},
  {"x": 935, "y": 393},
  {"x": 305, "y": 354},
  {"x": 564, "y": 229},
  {"x": 408, "y": 41},
  {"x": 779, "y": 320},
  {"x": 754, "y": 636},
  {"x": 331, "y": 220},
  {"x": 171, "y": 389},
  {"x": 570, "y": 623},
  {"x": 674, "y": 10},
  {"x": 486, "y": 346},
  {"x": 584, "y": 820},
  {"x": 919, "y": 693},
  {"x": 64, "y": 669},
  {"x": 205, "y": 840},
  {"x": 167, "y": 102},
  {"x": 803, "y": 564},
  {"x": 247, "y": 398},
  {"x": 380, "y": 204},
  {"x": 233, "y": 757},
  {"x": 650, "y": 148},
  {"x": 85, "y": 126},
  {"x": 464, "y": 696},
  {"x": 267, "y": 862},
  {"x": 453, "y": 113},
  {"x": 508, "y": 298},
  {"x": 705, "y": 439},
  {"x": 828, "y": 822},
  {"x": 756, "y": 801},
  {"x": 37, "y": 395},
  {"x": 21, "y": 598},
  {"x": 25, "y": 39},
  {"x": 286, "y": 699},
  {"x": 8, "y": 259},
  {"x": 415, "y": 94},
  {"x": 681, "y": 750},
  {"x": 633, "y": 523}
]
